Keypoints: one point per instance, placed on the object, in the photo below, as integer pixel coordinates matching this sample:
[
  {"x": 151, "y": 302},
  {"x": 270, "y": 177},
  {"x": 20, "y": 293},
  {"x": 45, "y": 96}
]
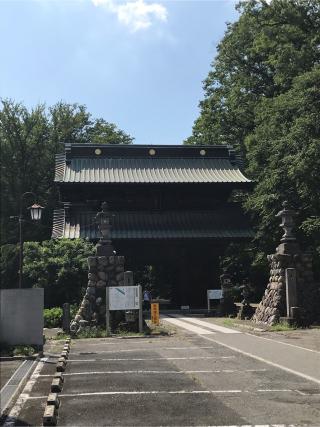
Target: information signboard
[
  {"x": 214, "y": 293},
  {"x": 155, "y": 318},
  {"x": 123, "y": 298}
]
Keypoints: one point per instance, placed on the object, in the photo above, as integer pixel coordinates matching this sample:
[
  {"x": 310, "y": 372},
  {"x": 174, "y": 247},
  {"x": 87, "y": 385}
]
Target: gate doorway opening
[{"x": 177, "y": 271}]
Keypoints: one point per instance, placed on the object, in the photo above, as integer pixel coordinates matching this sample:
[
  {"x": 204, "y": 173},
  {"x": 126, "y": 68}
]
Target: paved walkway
[
  {"x": 194, "y": 378},
  {"x": 300, "y": 361}
]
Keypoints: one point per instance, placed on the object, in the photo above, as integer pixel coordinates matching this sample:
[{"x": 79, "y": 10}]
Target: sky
[{"x": 139, "y": 64}]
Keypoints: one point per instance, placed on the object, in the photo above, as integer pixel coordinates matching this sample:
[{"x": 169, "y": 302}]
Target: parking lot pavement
[
  {"x": 183, "y": 380},
  {"x": 7, "y": 369},
  {"x": 28, "y": 407}
]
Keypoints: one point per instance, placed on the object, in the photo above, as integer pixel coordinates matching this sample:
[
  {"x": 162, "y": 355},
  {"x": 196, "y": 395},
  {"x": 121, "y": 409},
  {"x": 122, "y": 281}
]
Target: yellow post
[{"x": 155, "y": 318}]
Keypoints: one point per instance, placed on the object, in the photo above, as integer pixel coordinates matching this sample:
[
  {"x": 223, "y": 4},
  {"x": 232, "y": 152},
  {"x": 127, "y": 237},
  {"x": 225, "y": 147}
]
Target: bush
[
  {"x": 52, "y": 317},
  {"x": 23, "y": 350},
  {"x": 60, "y": 267}
]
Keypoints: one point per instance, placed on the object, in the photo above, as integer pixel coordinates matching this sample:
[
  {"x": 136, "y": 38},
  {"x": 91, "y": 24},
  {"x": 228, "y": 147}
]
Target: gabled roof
[
  {"x": 225, "y": 222},
  {"x": 138, "y": 164}
]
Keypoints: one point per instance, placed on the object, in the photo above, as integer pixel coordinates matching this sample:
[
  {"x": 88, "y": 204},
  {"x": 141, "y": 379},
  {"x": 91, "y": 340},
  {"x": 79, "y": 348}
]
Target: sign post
[
  {"x": 291, "y": 289},
  {"x": 140, "y": 310},
  {"x": 107, "y": 313},
  {"x": 214, "y": 294},
  {"x": 155, "y": 318}
]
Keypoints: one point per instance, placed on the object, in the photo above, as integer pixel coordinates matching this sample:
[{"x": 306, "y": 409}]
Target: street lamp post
[{"x": 35, "y": 211}]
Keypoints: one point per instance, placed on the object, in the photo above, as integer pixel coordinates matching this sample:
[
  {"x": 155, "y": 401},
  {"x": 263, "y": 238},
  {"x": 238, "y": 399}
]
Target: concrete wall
[{"x": 21, "y": 316}]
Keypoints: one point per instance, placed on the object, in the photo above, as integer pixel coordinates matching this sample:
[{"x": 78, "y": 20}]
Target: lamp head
[{"x": 36, "y": 212}]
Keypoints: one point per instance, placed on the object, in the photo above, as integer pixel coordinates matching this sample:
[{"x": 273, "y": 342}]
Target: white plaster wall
[{"x": 21, "y": 316}]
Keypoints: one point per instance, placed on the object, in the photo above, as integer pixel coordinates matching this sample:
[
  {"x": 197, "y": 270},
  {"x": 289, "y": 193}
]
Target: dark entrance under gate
[{"x": 170, "y": 204}]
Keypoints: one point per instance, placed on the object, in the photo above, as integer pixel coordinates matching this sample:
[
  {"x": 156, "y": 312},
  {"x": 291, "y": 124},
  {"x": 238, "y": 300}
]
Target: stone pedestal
[
  {"x": 273, "y": 304},
  {"x": 302, "y": 304},
  {"x": 103, "y": 271}
]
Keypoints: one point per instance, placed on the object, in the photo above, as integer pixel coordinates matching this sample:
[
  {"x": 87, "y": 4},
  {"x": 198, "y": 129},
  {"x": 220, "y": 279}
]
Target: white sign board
[
  {"x": 123, "y": 297},
  {"x": 214, "y": 293}
]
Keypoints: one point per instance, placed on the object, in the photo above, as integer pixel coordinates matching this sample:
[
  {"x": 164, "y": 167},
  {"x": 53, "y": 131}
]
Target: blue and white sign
[{"x": 124, "y": 297}]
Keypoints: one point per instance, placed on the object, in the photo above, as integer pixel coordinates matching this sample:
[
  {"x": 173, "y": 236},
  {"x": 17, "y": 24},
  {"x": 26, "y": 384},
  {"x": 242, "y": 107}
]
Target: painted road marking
[
  {"x": 188, "y": 327},
  {"x": 152, "y": 392},
  {"x": 261, "y": 359},
  {"x": 128, "y": 350},
  {"x": 11, "y": 387},
  {"x": 153, "y": 358},
  {"x": 284, "y": 343},
  {"x": 208, "y": 325},
  {"x": 221, "y": 371},
  {"x": 24, "y": 396}
]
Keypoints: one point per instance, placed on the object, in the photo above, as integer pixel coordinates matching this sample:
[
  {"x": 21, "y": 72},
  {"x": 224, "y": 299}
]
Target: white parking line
[
  {"x": 208, "y": 325},
  {"x": 152, "y": 358},
  {"x": 261, "y": 359},
  {"x": 188, "y": 327},
  {"x": 128, "y": 350},
  {"x": 221, "y": 371},
  {"x": 163, "y": 392},
  {"x": 24, "y": 396}
]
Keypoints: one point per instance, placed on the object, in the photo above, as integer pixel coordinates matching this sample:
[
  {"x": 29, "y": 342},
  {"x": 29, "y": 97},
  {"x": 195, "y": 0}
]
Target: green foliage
[
  {"x": 52, "y": 317},
  {"x": 228, "y": 322},
  {"x": 29, "y": 140},
  {"x": 262, "y": 96},
  {"x": 92, "y": 332},
  {"x": 58, "y": 266},
  {"x": 282, "y": 326},
  {"x": 243, "y": 264},
  {"x": 9, "y": 263},
  {"x": 16, "y": 350},
  {"x": 60, "y": 336},
  {"x": 258, "y": 58},
  {"x": 23, "y": 350},
  {"x": 284, "y": 159}
]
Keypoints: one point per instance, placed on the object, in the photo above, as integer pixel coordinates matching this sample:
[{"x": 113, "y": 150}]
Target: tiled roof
[
  {"x": 228, "y": 222},
  {"x": 148, "y": 170}
]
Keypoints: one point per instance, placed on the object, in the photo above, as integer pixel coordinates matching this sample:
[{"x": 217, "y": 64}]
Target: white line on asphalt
[
  {"x": 284, "y": 343},
  {"x": 188, "y": 327},
  {"x": 152, "y": 358},
  {"x": 267, "y": 390},
  {"x": 301, "y": 392},
  {"x": 261, "y": 359},
  {"x": 25, "y": 395},
  {"x": 6, "y": 404},
  {"x": 208, "y": 325},
  {"x": 222, "y": 371},
  {"x": 112, "y": 393},
  {"x": 259, "y": 425},
  {"x": 128, "y": 350}
]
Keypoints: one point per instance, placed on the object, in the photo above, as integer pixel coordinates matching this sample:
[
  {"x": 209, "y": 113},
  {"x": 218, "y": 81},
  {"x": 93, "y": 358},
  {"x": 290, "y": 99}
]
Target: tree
[
  {"x": 258, "y": 58},
  {"x": 262, "y": 97},
  {"x": 58, "y": 266},
  {"x": 284, "y": 159},
  {"x": 29, "y": 141}
]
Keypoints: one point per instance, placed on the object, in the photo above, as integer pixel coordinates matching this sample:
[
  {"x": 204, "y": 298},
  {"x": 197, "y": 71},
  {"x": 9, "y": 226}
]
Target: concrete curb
[{"x": 50, "y": 416}]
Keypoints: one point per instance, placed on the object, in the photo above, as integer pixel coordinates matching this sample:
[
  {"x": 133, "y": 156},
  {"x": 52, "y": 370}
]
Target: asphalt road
[{"x": 193, "y": 378}]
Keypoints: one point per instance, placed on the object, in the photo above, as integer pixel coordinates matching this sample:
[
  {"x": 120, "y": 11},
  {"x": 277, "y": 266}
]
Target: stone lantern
[{"x": 288, "y": 241}]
